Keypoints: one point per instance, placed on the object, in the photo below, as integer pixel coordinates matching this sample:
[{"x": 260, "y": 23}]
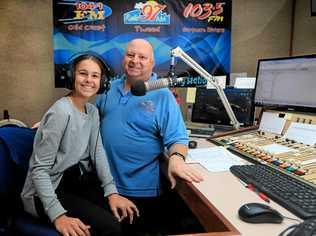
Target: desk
[{"x": 216, "y": 200}]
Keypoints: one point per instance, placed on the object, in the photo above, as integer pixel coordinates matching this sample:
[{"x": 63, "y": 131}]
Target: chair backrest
[
  {"x": 5, "y": 169},
  {"x": 15, "y": 149},
  {"x": 5, "y": 182},
  {"x": 19, "y": 144},
  {"x": 16, "y": 146},
  {"x": 12, "y": 123}
]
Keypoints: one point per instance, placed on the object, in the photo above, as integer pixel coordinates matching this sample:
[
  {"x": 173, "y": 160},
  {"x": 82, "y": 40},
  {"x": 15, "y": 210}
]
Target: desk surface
[{"x": 226, "y": 194}]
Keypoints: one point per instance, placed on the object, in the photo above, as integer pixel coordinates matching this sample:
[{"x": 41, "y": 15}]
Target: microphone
[
  {"x": 140, "y": 87},
  {"x": 172, "y": 67}
]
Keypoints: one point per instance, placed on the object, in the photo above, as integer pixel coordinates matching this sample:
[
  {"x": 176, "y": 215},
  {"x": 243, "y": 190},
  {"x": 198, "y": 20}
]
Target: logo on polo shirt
[{"x": 148, "y": 105}]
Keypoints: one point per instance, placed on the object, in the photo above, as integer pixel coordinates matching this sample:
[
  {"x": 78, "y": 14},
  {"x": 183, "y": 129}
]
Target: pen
[
  {"x": 260, "y": 194},
  {"x": 263, "y": 197},
  {"x": 252, "y": 188}
]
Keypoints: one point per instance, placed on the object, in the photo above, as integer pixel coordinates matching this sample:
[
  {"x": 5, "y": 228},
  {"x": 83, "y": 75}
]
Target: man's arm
[
  {"x": 177, "y": 166},
  {"x": 178, "y": 149}
]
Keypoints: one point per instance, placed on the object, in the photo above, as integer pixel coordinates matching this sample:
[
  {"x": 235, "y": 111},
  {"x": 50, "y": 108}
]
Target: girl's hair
[{"x": 94, "y": 58}]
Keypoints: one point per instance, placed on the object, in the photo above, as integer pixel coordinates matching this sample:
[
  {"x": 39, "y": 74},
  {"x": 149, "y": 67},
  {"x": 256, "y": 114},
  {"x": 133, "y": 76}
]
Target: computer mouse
[
  {"x": 259, "y": 213},
  {"x": 192, "y": 144}
]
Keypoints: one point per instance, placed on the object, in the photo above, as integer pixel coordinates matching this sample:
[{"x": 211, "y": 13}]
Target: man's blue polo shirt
[{"x": 135, "y": 130}]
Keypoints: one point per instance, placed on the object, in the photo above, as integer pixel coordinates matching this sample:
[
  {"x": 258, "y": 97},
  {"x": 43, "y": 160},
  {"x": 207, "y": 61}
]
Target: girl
[{"x": 69, "y": 180}]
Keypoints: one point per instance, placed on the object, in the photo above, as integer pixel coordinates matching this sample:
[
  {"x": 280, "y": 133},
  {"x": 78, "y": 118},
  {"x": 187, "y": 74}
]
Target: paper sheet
[
  {"x": 276, "y": 148},
  {"x": 305, "y": 133},
  {"x": 214, "y": 159},
  {"x": 233, "y": 76},
  {"x": 221, "y": 80},
  {"x": 191, "y": 92},
  {"x": 271, "y": 122},
  {"x": 245, "y": 82}
]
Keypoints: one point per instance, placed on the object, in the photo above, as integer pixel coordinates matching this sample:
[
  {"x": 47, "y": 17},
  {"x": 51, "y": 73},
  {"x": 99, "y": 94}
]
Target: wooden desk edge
[
  {"x": 210, "y": 218},
  {"x": 233, "y": 132},
  {"x": 211, "y": 234}
]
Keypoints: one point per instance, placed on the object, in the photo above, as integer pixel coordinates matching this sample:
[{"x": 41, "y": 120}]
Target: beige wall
[
  {"x": 259, "y": 29},
  {"x": 305, "y": 29},
  {"x": 26, "y": 84}
]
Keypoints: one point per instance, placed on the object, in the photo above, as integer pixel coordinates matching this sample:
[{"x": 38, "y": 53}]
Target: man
[{"x": 136, "y": 130}]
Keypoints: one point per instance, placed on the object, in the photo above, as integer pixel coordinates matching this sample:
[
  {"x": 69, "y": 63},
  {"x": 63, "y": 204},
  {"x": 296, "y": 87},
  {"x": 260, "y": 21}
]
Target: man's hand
[
  {"x": 69, "y": 226},
  {"x": 177, "y": 167},
  {"x": 122, "y": 207}
]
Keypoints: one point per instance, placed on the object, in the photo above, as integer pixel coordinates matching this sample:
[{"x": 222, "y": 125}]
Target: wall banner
[{"x": 201, "y": 28}]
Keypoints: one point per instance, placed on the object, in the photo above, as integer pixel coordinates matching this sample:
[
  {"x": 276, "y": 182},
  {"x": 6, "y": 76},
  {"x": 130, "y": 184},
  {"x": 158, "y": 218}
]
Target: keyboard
[
  {"x": 306, "y": 228},
  {"x": 293, "y": 194}
]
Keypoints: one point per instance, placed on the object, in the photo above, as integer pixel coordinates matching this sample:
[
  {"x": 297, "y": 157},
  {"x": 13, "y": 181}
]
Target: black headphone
[{"x": 69, "y": 70}]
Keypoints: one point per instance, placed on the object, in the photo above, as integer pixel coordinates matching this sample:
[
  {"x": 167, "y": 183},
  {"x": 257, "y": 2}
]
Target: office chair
[{"x": 16, "y": 144}]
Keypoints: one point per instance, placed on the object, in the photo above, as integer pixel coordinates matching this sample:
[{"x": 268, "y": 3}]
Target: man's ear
[
  {"x": 153, "y": 62},
  {"x": 123, "y": 60}
]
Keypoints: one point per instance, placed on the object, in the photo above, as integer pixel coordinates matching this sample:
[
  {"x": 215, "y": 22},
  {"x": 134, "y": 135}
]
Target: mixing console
[{"x": 295, "y": 158}]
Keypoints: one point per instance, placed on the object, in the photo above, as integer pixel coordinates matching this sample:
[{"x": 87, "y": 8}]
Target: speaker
[{"x": 68, "y": 70}]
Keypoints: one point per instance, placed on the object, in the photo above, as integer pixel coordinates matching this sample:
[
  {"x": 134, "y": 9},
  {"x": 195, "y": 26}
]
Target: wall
[
  {"x": 305, "y": 29},
  {"x": 259, "y": 29},
  {"x": 27, "y": 84}
]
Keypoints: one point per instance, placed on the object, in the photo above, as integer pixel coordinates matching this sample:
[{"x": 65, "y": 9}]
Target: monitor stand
[
  {"x": 199, "y": 130},
  {"x": 222, "y": 128}
]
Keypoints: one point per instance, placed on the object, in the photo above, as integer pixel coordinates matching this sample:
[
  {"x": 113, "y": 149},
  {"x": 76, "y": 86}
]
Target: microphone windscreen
[{"x": 138, "y": 88}]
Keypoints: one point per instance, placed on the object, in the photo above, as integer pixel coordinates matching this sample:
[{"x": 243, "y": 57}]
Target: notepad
[{"x": 214, "y": 159}]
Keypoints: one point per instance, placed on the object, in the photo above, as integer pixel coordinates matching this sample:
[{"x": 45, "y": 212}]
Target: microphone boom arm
[{"x": 178, "y": 52}]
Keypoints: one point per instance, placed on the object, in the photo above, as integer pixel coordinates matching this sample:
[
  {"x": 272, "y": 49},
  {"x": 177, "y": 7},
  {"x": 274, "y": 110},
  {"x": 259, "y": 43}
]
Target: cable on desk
[
  {"x": 286, "y": 231},
  {"x": 290, "y": 218}
]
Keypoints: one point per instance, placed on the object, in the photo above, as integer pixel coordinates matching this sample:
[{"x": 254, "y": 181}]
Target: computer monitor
[
  {"x": 209, "y": 109},
  {"x": 287, "y": 83},
  {"x": 313, "y": 7}
]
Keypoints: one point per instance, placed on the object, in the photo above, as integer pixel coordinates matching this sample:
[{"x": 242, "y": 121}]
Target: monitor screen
[
  {"x": 209, "y": 109},
  {"x": 313, "y": 7},
  {"x": 287, "y": 82}
]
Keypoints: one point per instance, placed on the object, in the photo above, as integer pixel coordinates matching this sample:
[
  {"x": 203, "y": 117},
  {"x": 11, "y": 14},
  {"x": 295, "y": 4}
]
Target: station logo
[
  {"x": 150, "y": 13},
  {"x": 85, "y": 15}
]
